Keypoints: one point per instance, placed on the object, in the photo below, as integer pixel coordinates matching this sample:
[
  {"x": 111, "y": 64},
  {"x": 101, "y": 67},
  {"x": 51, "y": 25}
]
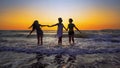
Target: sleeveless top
[
  {"x": 71, "y": 26},
  {"x": 60, "y": 30}
]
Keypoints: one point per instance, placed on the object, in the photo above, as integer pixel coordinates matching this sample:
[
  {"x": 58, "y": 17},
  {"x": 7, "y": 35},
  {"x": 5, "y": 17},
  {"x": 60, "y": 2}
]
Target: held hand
[
  {"x": 49, "y": 26},
  {"x": 66, "y": 29}
]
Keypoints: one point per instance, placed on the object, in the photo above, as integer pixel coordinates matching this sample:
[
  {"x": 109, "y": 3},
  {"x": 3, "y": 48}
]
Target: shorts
[
  {"x": 71, "y": 33},
  {"x": 40, "y": 32}
]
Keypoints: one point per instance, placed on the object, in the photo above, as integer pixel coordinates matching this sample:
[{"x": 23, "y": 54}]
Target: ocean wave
[
  {"x": 14, "y": 35},
  {"x": 98, "y": 36},
  {"x": 3, "y": 40},
  {"x": 59, "y": 50}
]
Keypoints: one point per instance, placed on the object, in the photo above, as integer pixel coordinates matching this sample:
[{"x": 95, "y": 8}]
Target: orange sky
[{"x": 95, "y": 17}]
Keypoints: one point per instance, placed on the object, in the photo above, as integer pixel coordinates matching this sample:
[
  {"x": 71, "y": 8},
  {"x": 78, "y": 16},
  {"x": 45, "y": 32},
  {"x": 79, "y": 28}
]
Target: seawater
[{"x": 92, "y": 48}]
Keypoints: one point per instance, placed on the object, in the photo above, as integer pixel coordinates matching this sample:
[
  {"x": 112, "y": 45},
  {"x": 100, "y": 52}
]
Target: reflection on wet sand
[{"x": 59, "y": 61}]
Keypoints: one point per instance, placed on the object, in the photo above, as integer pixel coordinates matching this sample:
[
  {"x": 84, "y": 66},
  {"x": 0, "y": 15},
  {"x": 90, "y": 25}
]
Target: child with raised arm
[
  {"x": 70, "y": 29},
  {"x": 59, "y": 30},
  {"x": 36, "y": 26}
]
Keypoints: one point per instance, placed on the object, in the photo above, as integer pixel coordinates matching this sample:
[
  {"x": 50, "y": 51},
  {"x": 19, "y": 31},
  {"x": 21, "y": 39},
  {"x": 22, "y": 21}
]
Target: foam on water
[
  {"x": 95, "y": 49},
  {"x": 95, "y": 42},
  {"x": 59, "y": 50}
]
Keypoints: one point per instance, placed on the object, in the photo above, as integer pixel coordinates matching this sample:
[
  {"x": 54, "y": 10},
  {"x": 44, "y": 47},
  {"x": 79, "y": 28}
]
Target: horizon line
[{"x": 55, "y": 30}]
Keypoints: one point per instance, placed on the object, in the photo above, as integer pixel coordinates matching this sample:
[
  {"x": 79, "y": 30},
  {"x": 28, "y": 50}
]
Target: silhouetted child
[
  {"x": 36, "y": 26},
  {"x": 70, "y": 29},
  {"x": 59, "y": 30}
]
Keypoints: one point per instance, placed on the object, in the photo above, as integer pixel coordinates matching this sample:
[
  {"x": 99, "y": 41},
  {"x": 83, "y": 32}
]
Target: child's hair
[
  {"x": 35, "y": 23},
  {"x": 60, "y": 19},
  {"x": 70, "y": 20}
]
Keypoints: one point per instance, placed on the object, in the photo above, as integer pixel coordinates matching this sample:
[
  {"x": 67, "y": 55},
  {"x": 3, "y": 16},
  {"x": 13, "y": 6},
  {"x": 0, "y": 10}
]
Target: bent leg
[
  {"x": 41, "y": 39},
  {"x": 69, "y": 39},
  {"x": 38, "y": 38}
]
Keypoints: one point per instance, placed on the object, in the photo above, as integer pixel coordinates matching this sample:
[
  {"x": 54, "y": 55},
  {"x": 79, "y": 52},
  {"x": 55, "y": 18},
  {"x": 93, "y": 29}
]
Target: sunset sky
[{"x": 87, "y": 14}]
